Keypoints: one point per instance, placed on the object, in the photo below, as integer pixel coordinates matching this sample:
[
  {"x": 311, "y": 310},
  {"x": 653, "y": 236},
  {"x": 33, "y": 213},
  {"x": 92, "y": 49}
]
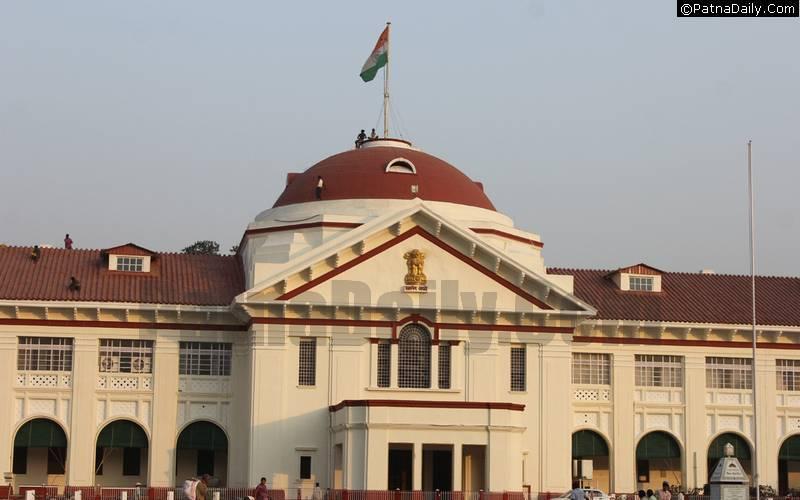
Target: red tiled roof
[
  {"x": 173, "y": 279},
  {"x": 692, "y": 298},
  {"x": 361, "y": 174}
]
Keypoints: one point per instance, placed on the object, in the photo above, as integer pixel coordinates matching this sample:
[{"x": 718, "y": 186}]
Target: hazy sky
[{"x": 614, "y": 130}]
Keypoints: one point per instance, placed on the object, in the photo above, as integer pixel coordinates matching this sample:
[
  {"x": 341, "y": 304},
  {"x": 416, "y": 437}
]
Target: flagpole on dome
[{"x": 386, "y": 86}]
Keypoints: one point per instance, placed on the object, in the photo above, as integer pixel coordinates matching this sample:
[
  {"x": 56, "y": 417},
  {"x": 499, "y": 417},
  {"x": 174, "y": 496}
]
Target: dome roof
[{"x": 384, "y": 169}]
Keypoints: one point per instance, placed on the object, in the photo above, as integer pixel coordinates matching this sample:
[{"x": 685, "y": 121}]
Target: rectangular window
[
  {"x": 518, "y": 368},
  {"x": 444, "y": 365},
  {"x": 126, "y": 356},
  {"x": 729, "y": 373},
  {"x": 205, "y": 462},
  {"x": 131, "y": 461},
  {"x": 44, "y": 354},
  {"x": 307, "y": 367},
  {"x": 654, "y": 370},
  {"x": 133, "y": 264},
  {"x": 205, "y": 358},
  {"x": 20, "y": 465},
  {"x": 305, "y": 467},
  {"x": 591, "y": 368},
  {"x": 384, "y": 364},
  {"x": 788, "y": 374},
  {"x": 56, "y": 460},
  {"x": 640, "y": 283}
]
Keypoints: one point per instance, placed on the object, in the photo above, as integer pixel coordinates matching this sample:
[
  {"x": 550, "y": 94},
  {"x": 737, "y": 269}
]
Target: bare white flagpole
[
  {"x": 386, "y": 85},
  {"x": 753, "y": 304}
]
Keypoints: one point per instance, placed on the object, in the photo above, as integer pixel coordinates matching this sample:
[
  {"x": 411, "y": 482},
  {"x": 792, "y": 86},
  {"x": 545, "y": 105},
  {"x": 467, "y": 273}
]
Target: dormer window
[
  {"x": 641, "y": 283},
  {"x": 401, "y": 166},
  {"x": 638, "y": 278},
  {"x": 133, "y": 264},
  {"x": 129, "y": 258}
]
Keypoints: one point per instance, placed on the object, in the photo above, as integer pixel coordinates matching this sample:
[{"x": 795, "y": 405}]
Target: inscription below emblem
[{"x": 415, "y": 279}]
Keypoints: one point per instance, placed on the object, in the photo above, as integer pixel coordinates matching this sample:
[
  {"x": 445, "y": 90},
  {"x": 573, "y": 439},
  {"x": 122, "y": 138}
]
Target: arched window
[{"x": 414, "y": 363}]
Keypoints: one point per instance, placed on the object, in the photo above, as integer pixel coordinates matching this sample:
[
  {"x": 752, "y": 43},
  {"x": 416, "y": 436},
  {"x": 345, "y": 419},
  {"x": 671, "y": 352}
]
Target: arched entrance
[
  {"x": 658, "y": 459},
  {"x": 589, "y": 445},
  {"x": 121, "y": 455},
  {"x": 741, "y": 450},
  {"x": 202, "y": 449},
  {"x": 40, "y": 453},
  {"x": 789, "y": 465}
]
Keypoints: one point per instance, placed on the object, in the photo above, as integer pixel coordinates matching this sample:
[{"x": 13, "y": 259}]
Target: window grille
[
  {"x": 640, "y": 283},
  {"x": 205, "y": 358},
  {"x": 126, "y": 356},
  {"x": 50, "y": 354},
  {"x": 729, "y": 373},
  {"x": 518, "y": 368},
  {"x": 384, "y": 364},
  {"x": 134, "y": 264},
  {"x": 444, "y": 365},
  {"x": 659, "y": 371},
  {"x": 591, "y": 368},
  {"x": 307, "y": 372},
  {"x": 414, "y": 363},
  {"x": 788, "y": 374}
]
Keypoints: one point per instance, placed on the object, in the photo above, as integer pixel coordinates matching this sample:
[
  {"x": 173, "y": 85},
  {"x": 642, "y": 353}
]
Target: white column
[
  {"x": 394, "y": 373},
  {"x": 435, "y": 366},
  {"x": 8, "y": 365},
  {"x": 165, "y": 410},
  {"x": 696, "y": 435},
  {"x": 623, "y": 431},
  {"x": 416, "y": 480},
  {"x": 81, "y": 445},
  {"x": 768, "y": 415},
  {"x": 457, "y": 455},
  {"x": 373, "y": 364},
  {"x": 555, "y": 456}
]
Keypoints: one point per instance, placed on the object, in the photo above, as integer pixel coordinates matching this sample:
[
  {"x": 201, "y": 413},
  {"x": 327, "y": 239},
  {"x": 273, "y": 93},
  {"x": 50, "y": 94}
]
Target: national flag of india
[{"x": 378, "y": 58}]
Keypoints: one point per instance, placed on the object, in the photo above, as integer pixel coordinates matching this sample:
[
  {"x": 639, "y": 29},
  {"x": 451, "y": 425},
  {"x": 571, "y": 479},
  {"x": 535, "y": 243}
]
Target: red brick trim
[
  {"x": 408, "y": 403},
  {"x": 676, "y": 342},
  {"x": 417, "y": 230},
  {"x": 502, "y": 234},
  {"x": 123, "y": 324},
  {"x": 393, "y": 325}
]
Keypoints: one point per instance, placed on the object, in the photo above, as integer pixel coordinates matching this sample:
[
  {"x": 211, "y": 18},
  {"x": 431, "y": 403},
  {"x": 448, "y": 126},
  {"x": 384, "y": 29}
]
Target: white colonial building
[{"x": 389, "y": 330}]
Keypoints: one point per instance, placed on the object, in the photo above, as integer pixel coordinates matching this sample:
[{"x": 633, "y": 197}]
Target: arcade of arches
[{"x": 121, "y": 458}]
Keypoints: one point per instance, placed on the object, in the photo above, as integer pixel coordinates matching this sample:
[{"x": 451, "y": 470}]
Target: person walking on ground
[
  {"x": 202, "y": 488},
  {"x": 261, "y": 490},
  {"x": 577, "y": 492},
  {"x": 664, "y": 493}
]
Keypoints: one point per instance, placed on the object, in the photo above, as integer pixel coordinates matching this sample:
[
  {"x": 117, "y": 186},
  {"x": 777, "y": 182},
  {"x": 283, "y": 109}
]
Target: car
[{"x": 592, "y": 493}]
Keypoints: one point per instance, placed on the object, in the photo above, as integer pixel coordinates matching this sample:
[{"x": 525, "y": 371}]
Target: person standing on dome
[
  {"x": 360, "y": 138},
  {"x": 320, "y": 186}
]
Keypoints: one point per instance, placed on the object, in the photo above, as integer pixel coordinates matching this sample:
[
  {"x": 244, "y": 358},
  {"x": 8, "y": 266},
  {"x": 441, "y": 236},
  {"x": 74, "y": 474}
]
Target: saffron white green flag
[{"x": 378, "y": 58}]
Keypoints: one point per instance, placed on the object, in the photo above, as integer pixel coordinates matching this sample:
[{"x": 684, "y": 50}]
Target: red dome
[{"x": 362, "y": 174}]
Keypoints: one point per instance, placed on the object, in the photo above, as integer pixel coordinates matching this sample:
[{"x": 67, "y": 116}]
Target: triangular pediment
[{"x": 368, "y": 268}]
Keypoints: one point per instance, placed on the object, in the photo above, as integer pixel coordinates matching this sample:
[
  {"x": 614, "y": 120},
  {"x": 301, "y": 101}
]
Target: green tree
[{"x": 203, "y": 247}]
